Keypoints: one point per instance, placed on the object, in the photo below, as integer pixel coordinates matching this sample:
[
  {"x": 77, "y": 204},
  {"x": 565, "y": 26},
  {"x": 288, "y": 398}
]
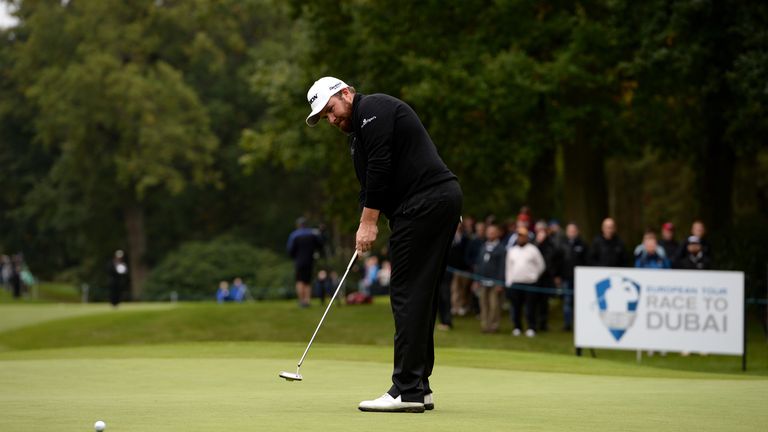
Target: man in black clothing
[
  {"x": 459, "y": 284},
  {"x": 608, "y": 249},
  {"x": 402, "y": 176},
  {"x": 699, "y": 231},
  {"x": 575, "y": 255},
  {"x": 118, "y": 277},
  {"x": 694, "y": 258},
  {"x": 552, "y": 276},
  {"x": 668, "y": 242},
  {"x": 303, "y": 242}
]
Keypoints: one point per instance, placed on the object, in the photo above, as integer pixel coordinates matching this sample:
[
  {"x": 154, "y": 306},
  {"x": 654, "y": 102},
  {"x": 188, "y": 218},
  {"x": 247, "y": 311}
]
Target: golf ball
[{"x": 99, "y": 426}]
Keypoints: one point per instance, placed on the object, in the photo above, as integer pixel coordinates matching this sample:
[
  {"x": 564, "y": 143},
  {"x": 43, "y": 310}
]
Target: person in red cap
[{"x": 668, "y": 242}]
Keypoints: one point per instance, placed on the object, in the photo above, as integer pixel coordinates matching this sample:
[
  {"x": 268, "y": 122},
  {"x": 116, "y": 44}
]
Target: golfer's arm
[{"x": 369, "y": 216}]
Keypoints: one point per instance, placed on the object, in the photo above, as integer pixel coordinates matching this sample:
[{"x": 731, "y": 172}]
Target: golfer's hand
[{"x": 366, "y": 235}]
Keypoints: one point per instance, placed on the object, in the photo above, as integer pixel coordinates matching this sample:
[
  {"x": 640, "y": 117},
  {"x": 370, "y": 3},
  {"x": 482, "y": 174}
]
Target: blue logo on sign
[{"x": 617, "y": 297}]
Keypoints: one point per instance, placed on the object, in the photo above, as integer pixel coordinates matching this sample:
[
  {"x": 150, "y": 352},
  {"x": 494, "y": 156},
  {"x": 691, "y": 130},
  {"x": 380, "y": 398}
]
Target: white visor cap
[{"x": 319, "y": 94}]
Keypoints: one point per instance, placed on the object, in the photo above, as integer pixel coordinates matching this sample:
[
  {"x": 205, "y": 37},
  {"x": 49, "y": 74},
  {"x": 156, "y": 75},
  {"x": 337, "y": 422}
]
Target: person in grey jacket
[{"x": 490, "y": 266}]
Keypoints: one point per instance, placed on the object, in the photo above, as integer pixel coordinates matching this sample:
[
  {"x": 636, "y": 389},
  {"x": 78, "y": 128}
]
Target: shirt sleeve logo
[{"x": 366, "y": 121}]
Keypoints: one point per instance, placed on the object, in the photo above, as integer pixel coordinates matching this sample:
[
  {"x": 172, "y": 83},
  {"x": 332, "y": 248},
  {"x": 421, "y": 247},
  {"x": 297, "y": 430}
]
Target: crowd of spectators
[{"x": 527, "y": 262}]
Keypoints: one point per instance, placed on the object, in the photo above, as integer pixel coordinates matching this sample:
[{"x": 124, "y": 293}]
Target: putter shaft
[{"x": 330, "y": 303}]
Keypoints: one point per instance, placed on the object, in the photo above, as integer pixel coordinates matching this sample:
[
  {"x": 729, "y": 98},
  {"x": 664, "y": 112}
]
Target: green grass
[
  {"x": 283, "y": 322},
  {"x": 208, "y": 367},
  {"x": 45, "y": 292},
  {"x": 26, "y": 314},
  {"x": 234, "y": 386}
]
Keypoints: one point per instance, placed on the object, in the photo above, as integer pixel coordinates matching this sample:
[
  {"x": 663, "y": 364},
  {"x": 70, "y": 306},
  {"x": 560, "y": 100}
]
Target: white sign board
[{"x": 662, "y": 310}]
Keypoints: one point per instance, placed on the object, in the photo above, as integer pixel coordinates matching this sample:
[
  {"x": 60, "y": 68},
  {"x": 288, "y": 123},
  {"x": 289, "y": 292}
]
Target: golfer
[{"x": 401, "y": 176}]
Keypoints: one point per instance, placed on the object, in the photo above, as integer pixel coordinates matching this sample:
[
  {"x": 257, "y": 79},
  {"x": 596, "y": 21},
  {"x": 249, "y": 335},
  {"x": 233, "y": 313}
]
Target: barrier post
[{"x": 744, "y": 351}]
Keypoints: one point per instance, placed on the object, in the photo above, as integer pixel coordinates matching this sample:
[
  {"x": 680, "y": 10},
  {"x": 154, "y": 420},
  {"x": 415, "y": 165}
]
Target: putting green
[{"x": 216, "y": 387}]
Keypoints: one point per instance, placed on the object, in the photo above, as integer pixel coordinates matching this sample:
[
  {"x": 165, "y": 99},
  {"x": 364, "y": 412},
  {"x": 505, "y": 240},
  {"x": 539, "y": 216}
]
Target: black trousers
[
  {"x": 520, "y": 298},
  {"x": 422, "y": 231}
]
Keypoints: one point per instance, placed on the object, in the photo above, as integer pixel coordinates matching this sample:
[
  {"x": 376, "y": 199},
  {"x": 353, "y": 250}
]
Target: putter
[{"x": 289, "y": 376}]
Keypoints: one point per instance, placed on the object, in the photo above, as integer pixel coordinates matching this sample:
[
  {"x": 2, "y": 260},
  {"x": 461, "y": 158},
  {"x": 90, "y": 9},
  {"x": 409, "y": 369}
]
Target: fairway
[{"x": 204, "y": 367}]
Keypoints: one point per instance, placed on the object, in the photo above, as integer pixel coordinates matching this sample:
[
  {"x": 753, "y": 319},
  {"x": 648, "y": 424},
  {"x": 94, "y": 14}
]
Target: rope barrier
[
  {"x": 519, "y": 287},
  {"x": 543, "y": 290}
]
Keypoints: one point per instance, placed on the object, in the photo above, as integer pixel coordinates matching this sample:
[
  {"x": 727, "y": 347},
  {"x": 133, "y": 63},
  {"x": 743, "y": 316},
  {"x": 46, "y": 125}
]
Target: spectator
[
  {"x": 551, "y": 277},
  {"x": 576, "y": 254},
  {"x": 222, "y": 294},
  {"x": 468, "y": 225},
  {"x": 15, "y": 280},
  {"x": 524, "y": 222},
  {"x": 118, "y": 277},
  {"x": 651, "y": 256},
  {"x": 302, "y": 245},
  {"x": 698, "y": 230},
  {"x": 640, "y": 250},
  {"x": 458, "y": 283},
  {"x": 524, "y": 266},
  {"x": 238, "y": 291},
  {"x": 490, "y": 267},
  {"x": 475, "y": 244},
  {"x": 5, "y": 271},
  {"x": 474, "y": 248},
  {"x": 668, "y": 243},
  {"x": 607, "y": 248},
  {"x": 385, "y": 274},
  {"x": 370, "y": 283},
  {"x": 510, "y": 226},
  {"x": 694, "y": 259},
  {"x": 323, "y": 286},
  {"x": 525, "y": 215},
  {"x": 444, "y": 302},
  {"x": 556, "y": 234}
]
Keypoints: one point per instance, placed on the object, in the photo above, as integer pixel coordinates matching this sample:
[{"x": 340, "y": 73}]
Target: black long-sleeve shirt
[
  {"x": 393, "y": 154},
  {"x": 608, "y": 252}
]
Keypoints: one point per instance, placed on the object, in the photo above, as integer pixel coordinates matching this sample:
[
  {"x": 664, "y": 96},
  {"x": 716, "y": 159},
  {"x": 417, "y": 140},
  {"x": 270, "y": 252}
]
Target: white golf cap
[{"x": 318, "y": 96}]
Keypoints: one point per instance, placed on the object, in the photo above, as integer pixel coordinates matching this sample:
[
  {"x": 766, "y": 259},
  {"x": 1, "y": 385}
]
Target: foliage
[
  {"x": 142, "y": 125},
  {"x": 195, "y": 269}
]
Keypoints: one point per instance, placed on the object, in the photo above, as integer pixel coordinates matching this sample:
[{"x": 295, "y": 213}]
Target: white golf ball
[{"x": 99, "y": 426}]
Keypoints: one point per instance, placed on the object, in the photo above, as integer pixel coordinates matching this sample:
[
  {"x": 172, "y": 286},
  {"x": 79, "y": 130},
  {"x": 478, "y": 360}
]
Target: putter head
[{"x": 290, "y": 376}]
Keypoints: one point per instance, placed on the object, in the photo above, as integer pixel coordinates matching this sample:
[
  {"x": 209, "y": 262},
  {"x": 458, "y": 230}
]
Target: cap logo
[
  {"x": 312, "y": 99},
  {"x": 335, "y": 86}
]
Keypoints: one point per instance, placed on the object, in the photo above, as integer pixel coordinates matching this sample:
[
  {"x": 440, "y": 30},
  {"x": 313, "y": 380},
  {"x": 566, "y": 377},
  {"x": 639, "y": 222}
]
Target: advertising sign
[{"x": 661, "y": 310}]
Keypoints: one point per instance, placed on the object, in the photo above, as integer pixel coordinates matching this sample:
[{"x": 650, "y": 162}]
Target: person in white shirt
[{"x": 524, "y": 266}]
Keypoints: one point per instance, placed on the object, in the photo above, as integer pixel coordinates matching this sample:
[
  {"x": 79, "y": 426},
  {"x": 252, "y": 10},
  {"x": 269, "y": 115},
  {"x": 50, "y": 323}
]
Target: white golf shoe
[
  {"x": 429, "y": 402},
  {"x": 387, "y": 403}
]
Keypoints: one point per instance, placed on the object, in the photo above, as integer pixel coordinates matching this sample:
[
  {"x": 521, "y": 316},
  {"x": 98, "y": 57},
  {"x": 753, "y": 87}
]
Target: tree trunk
[
  {"x": 715, "y": 192},
  {"x": 584, "y": 187},
  {"x": 625, "y": 198},
  {"x": 715, "y": 169},
  {"x": 541, "y": 194},
  {"x": 137, "y": 246}
]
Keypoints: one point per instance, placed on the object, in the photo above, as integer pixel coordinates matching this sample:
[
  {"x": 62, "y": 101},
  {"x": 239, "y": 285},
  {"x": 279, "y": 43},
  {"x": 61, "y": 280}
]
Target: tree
[
  {"x": 122, "y": 121},
  {"x": 500, "y": 87},
  {"x": 700, "y": 68}
]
